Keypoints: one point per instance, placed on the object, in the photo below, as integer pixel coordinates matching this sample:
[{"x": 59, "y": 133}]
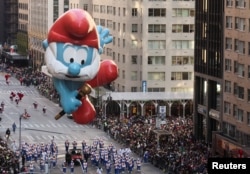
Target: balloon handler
[{"x": 72, "y": 55}]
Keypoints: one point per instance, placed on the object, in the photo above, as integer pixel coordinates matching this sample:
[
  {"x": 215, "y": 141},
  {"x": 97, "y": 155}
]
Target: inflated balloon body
[{"x": 72, "y": 56}]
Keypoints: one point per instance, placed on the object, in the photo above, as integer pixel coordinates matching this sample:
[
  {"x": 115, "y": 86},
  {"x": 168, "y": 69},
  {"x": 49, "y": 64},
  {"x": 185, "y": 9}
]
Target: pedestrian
[
  {"x": 44, "y": 109},
  {"x": 74, "y": 145},
  {"x": 23, "y": 160},
  {"x": 67, "y": 146},
  {"x": 14, "y": 127},
  {"x": 7, "y": 134}
]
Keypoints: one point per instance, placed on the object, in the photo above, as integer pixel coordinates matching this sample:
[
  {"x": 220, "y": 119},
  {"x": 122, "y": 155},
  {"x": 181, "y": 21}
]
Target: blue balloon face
[
  {"x": 73, "y": 54},
  {"x": 72, "y": 62}
]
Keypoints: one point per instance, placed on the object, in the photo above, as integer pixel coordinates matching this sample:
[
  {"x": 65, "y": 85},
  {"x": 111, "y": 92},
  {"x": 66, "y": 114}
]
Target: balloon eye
[
  {"x": 71, "y": 60},
  {"x": 82, "y": 62}
]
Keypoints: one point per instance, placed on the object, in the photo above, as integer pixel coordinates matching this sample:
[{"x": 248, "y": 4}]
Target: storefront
[{"x": 226, "y": 147}]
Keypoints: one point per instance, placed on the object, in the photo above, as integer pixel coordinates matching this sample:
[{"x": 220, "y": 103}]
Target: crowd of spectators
[
  {"x": 8, "y": 160},
  {"x": 174, "y": 149},
  {"x": 171, "y": 147}
]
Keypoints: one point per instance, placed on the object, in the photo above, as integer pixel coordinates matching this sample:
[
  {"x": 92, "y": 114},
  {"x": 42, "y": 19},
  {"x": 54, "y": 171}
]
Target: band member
[
  {"x": 72, "y": 167},
  {"x": 66, "y": 145}
]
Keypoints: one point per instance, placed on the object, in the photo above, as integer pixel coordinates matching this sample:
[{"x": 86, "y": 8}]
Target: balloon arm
[{"x": 86, "y": 89}]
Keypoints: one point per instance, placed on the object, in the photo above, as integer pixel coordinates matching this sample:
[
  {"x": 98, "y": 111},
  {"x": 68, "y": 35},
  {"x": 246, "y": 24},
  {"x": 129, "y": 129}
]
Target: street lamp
[{"x": 20, "y": 127}]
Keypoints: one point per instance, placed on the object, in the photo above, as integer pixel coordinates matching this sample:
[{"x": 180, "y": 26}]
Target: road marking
[
  {"x": 58, "y": 125},
  {"x": 38, "y": 137},
  {"x": 64, "y": 125},
  {"x": 42, "y": 125},
  {"x": 37, "y": 125},
  {"x": 30, "y": 137}
]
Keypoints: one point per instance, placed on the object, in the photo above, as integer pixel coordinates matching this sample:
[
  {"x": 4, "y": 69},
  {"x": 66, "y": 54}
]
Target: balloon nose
[{"x": 74, "y": 69}]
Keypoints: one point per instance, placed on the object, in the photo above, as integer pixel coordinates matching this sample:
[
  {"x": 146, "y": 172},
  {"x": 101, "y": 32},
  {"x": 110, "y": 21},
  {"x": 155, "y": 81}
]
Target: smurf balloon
[{"x": 72, "y": 57}]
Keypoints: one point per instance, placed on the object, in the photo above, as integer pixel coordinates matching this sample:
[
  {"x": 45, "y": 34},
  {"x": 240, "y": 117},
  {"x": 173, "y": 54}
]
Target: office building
[{"x": 222, "y": 88}]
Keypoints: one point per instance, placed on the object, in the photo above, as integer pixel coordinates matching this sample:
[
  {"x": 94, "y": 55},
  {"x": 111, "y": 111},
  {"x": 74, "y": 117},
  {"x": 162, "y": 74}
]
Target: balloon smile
[{"x": 69, "y": 76}]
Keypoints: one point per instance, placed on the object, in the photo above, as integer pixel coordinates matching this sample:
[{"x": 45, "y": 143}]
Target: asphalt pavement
[{"x": 42, "y": 127}]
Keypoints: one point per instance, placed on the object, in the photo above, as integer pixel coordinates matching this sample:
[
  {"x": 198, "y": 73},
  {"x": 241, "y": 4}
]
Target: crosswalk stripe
[
  {"x": 64, "y": 125},
  {"x": 37, "y": 125},
  {"x": 38, "y": 137},
  {"x": 58, "y": 125},
  {"x": 48, "y": 125},
  {"x": 30, "y": 138},
  {"x": 42, "y": 125}
]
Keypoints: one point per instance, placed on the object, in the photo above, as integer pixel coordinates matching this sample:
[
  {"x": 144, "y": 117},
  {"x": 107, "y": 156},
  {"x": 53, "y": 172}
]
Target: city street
[{"x": 44, "y": 128}]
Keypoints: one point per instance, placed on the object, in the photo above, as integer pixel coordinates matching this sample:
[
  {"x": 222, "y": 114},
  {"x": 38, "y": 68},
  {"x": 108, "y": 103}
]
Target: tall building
[
  {"x": 222, "y": 89},
  {"x": 42, "y": 15},
  {"x": 8, "y": 21},
  {"x": 153, "y": 42},
  {"x": 23, "y": 19}
]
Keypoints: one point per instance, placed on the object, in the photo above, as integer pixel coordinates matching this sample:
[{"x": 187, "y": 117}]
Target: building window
[
  {"x": 123, "y": 58},
  {"x": 96, "y": 21},
  {"x": 182, "y": 60},
  {"x": 124, "y": 11},
  {"x": 240, "y": 70},
  {"x": 134, "y": 28},
  {"x": 240, "y": 4},
  {"x": 248, "y": 95},
  {"x": 228, "y": 65},
  {"x": 227, "y": 108},
  {"x": 113, "y": 56},
  {"x": 133, "y": 89},
  {"x": 114, "y": 11},
  {"x": 181, "y": 76},
  {"x": 248, "y": 118},
  {"x": 102, "y": 22},
  {"x": 134, "y": 44},
  {"x": 109, "y": 24},
  {"x": 240, "y": 115},
  {"x": 96, "y": 8},
  {"x": 85, "y": 7},
  {"x": 229, "y": 22},
  {"x": 183, "y": 12},
  {"x": 182, "y": 28},
  {"x": 157, "y": 28},
  {"x": 248, "y": 68},
  {"x": 227, "y": 86},
  {"x": 124, "y": 28},
  {"x": 157, "y": 12},
  {"x": 103, "y": 8},
  {"x": 228, "y": 43},
  {"x": 239, "y": 46},
  {"x": 134, "y": 12},
  {"x": 240, "y": 23},
  {"x": 156, "y": 89},
  {"x": 183, "y": 44},
  {"x": 133, "y": 75},
  {"x": 156, "y": 76},
  {"x": 235, "y": 110},
  {"x": 156, "y": 60},
  {"x": 240, "y": 92},
  {"x": 109, "y": 10},
  {"x": 123, "y": 43},
  {"x": 114, "y": 25},
  {"x": 229, "y": 3},
  {"x": 123, "y": 74},
  {"x": 156, "y": 44},
  {"x": 235, "y": 89},
  {"x": 134, "y": 59}
]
